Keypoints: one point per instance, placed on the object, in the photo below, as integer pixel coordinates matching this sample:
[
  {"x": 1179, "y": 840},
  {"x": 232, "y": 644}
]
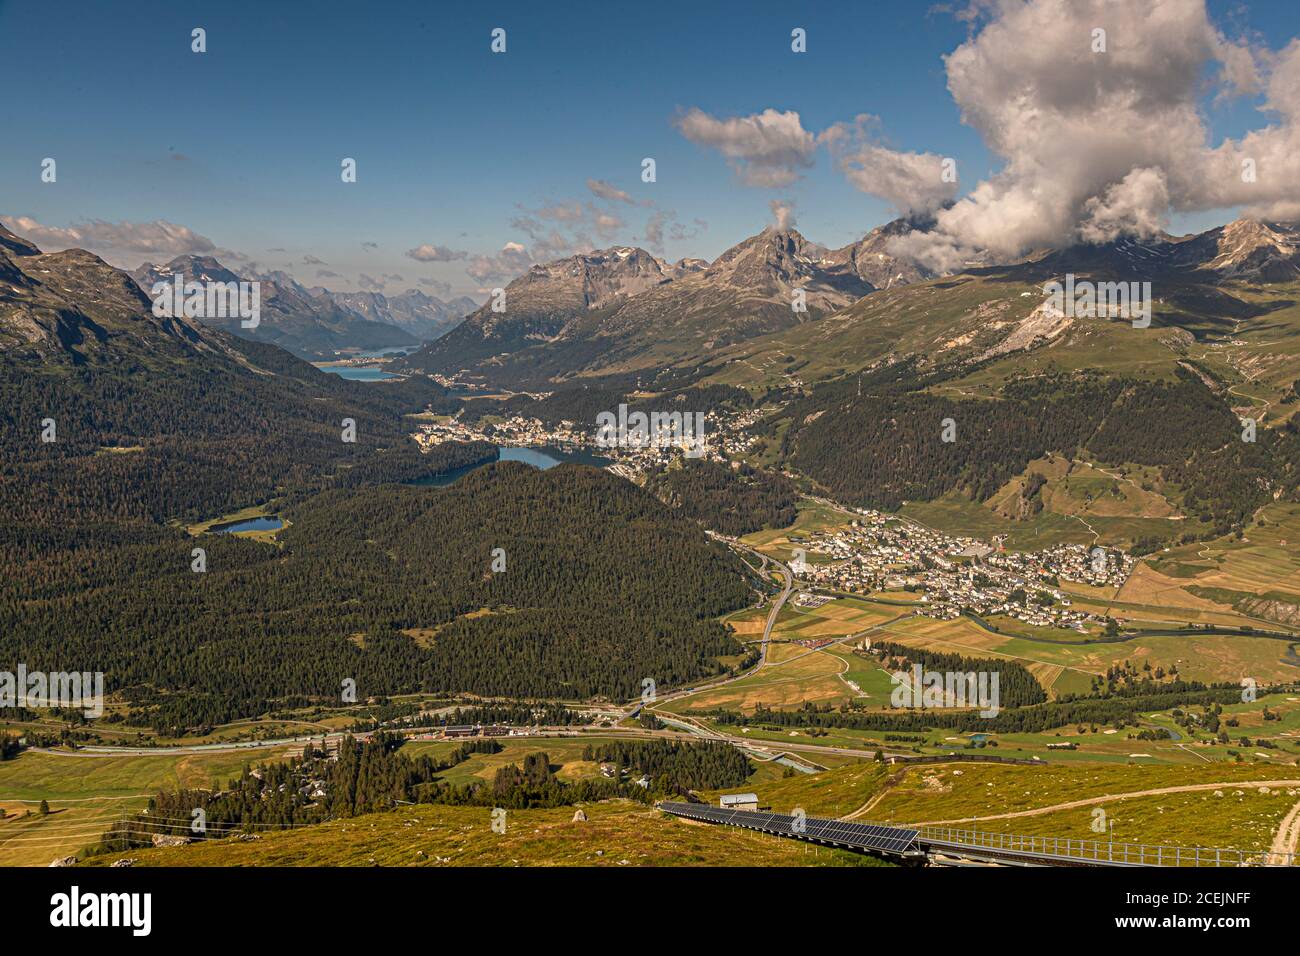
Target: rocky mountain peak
[
  {"x": 870, "y": 257},
  {"x": 592, "y": 279},
  {"x": 16, "y": 245},
  {"x": 192, "y": 268}
]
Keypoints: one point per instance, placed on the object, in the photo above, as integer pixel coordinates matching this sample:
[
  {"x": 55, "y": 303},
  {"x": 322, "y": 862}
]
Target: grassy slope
[
  {"x": 86, "y": 794},
  {"x": 1230, "y": 815},
  {"x": 958, "y": 317},
  {"x": 1251, "y": 362},
  {"x": 616, "y": 833}
]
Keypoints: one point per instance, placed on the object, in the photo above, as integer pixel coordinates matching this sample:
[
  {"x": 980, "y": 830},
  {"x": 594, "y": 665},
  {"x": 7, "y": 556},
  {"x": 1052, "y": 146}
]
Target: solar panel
[{"x": 867, "y": 836}]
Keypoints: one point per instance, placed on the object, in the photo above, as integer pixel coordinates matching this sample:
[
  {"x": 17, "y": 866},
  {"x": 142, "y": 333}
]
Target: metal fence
[{"x": 1106, "y": 852}]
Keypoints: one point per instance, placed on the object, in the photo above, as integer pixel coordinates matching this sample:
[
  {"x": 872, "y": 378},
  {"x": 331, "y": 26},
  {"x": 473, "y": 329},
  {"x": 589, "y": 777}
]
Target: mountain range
[
  {"x": 424, "y": 316},
  {"x": 315, "y": 322},
  {"x": 148, "y": 417},
  {"x": 73, "y": 305},
  {"x": 624, "y": 307},
  {"x": 624, "y": 310}
]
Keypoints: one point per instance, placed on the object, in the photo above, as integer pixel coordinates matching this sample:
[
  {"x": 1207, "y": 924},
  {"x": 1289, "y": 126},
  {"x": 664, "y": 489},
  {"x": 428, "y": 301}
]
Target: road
[
  {"x": 694, "y": 732},
  {"x": 191, "y": 749},
  {"x": 786, "y": 591},
  {"x": 788, "y": 576}
]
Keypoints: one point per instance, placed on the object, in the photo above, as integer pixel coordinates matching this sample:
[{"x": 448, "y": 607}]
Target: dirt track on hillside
[
  {"x": 1158, "y": 791},
  {"x": 1288, "y": 835}
]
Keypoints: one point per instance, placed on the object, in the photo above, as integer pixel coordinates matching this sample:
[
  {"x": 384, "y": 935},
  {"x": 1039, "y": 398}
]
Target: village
[
  {"x": 956, "y": 575},
  {"x": 723, "y": 437}
]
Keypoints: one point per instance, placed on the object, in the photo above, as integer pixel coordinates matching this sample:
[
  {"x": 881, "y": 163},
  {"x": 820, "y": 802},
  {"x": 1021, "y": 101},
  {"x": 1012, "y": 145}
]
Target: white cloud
[
  {"x": 766, "y": 149},
  {"x": 432, "y": 253},
  {"x": 1136, "y": 205},
  {"x": 118, "y": 242},
  {"x": 1093, "y": 145},
  {"x": 439, "y": 287},
  {"x": 513, "y": 260},
  {"x": 607, "y": 225},
  {"x": 1097, "y": 145},
  {"x": 912, "y": 182}
]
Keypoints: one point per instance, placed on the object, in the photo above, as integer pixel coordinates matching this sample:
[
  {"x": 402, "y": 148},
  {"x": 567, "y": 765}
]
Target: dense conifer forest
[
  {"x": 164, "y": 437},
  {"x": 602, "y": 588},
  {"x": 674, "y": 764},
  {"x": 733, "y": 501},
  {"x": 581, "y": 405}
]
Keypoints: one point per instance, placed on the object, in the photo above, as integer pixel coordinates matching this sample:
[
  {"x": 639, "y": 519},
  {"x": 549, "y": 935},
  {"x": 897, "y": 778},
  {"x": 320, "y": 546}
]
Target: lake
[
  {"x": 540, "y": 456},
  {"x": 252, "y": 524},
  {"x": 362, "y": 373}
]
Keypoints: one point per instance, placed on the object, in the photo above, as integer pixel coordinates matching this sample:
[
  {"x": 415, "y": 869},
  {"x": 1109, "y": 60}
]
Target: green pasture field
[{"x": 87, "y": 793}]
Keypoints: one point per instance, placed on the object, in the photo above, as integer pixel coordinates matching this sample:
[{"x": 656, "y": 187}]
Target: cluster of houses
[
  {"x": 956, "y": 575},
  {"x": 1099, "y": 567},
  {"x": 724, "y": 436},
  {"x": 516, "y": 430},
  {"x": 609, "y": 770},
  {"x": 727, "y": 432},
  {"x": 312, "y": 788}
]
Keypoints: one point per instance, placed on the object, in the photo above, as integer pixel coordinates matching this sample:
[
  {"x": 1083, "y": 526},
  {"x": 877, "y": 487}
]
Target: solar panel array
[{"x": 867, "y": 836}]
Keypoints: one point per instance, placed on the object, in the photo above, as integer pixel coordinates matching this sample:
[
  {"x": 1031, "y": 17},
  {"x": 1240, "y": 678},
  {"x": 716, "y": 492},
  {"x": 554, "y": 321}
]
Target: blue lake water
[
  {"x": 252, "y": 524},
  {"x": 541, "y": 456},
  {"x": 363, "y": 373},
  {"x": 548, "y": 456}
]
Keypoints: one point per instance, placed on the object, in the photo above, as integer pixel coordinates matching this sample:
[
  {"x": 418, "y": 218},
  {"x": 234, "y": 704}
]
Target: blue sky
[{"x": 454, "y": 144}]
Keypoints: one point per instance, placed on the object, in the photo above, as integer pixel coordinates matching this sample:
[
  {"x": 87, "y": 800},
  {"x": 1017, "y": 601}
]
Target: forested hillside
[
  {"x": 733, "y": 501},
  {"x": 581, "y": 404},
  {"x": 119, "y": 428},
  {"x": 162, "y": 436},
  {"x": 886, "y": 445},
  {"x": 603, "y": 588}
]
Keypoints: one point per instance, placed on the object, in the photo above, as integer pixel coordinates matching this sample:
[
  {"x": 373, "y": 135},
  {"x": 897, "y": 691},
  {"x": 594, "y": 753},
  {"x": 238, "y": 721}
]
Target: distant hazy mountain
[
  {"x": 542, "y": 303},
  {"x": 424, "y": 316},
  {"x": 292, "y": 317},
  {"x": 623, "y": 307}
]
